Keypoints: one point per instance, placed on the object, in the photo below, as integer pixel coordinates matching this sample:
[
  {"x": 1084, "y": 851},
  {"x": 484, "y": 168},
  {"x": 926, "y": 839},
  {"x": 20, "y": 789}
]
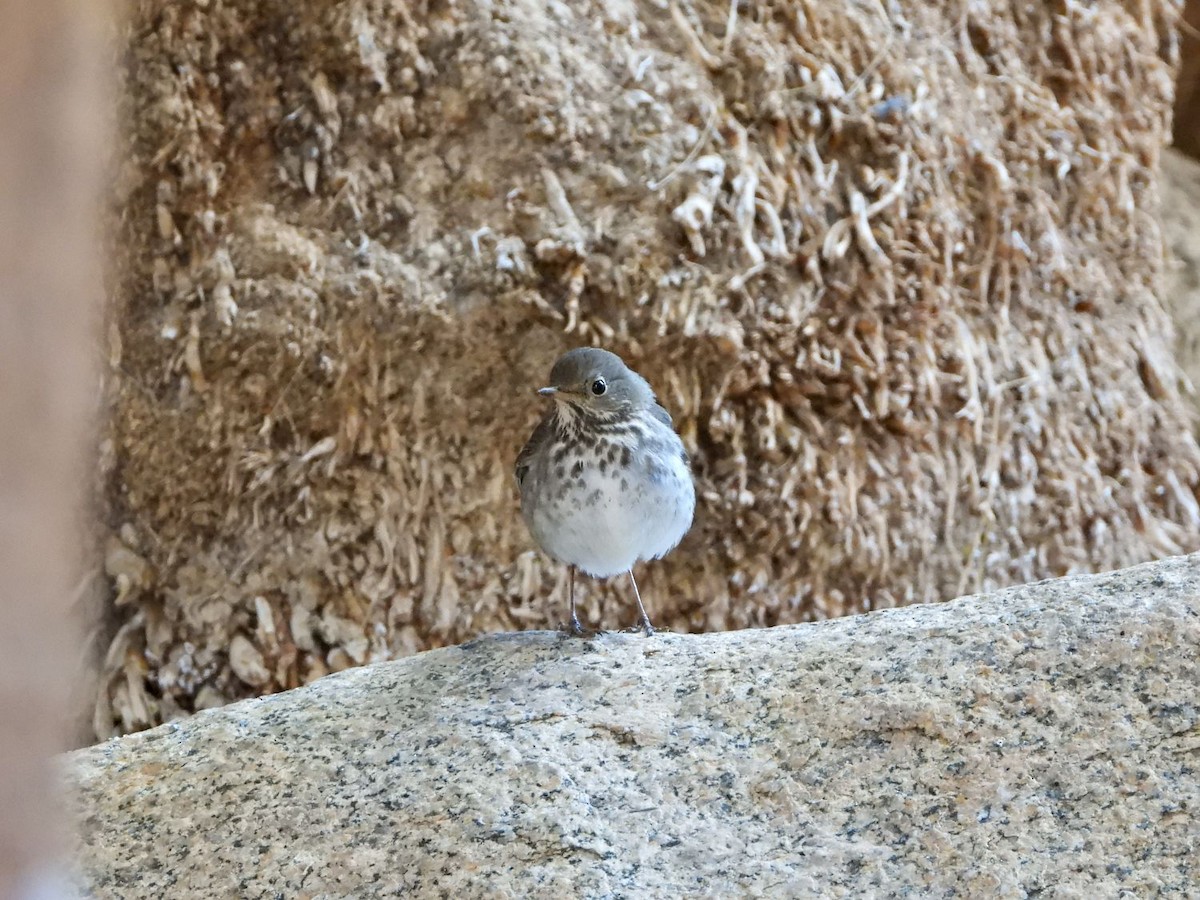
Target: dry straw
[{"x": 892, "y": 265}]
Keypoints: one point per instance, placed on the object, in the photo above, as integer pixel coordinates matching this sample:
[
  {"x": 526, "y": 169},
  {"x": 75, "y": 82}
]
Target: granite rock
[{"x": 1040, "y": 739}]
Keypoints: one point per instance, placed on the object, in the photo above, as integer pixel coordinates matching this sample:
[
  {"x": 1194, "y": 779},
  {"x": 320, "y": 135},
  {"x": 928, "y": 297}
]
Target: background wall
[
  {"x": 53, "y": 93},
  {"x": 896, "y": 275},
  {"x": 1187, "y": 97}
]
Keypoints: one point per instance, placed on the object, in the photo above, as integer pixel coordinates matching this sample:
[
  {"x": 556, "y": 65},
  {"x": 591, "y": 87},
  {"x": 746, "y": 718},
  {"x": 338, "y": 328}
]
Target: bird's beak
[{"x": 547, "y": 391}]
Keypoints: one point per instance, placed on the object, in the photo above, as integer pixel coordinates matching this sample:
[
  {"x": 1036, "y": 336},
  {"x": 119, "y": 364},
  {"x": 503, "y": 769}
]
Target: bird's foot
[
  {"x": 575, "y": 628},
  {"x": 643, "y": 626}
]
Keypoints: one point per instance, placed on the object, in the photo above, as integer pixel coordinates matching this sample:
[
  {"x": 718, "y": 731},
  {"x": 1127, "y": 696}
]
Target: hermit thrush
[{"x": 604, "y": 480}]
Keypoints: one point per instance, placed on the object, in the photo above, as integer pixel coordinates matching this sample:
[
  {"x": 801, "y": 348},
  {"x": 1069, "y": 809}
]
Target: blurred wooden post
[
  {"x": 1187, "y": 91},
  {"x": 53, "y": 140}
]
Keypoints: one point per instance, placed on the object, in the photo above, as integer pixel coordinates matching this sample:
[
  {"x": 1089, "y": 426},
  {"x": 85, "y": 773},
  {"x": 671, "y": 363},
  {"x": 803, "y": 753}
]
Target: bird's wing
[
  {"x": 540, "y": 437},
  {"x": 663, "y": 416}
]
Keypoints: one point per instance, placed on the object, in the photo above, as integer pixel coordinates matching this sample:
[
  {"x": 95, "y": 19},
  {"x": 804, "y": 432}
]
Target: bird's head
[{"x": 594, "y": 381}]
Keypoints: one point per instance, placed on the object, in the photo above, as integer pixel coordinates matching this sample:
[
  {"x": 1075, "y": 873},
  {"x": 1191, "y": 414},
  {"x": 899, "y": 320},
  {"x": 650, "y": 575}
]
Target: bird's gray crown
[{"x": 595, "y": 380}]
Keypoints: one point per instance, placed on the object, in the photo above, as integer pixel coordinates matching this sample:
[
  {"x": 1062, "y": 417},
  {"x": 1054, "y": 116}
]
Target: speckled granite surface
[{"x": 1039, "y": 739}]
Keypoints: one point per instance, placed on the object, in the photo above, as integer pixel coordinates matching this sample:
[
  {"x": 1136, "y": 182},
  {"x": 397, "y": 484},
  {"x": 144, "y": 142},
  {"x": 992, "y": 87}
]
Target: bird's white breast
[{"x": 602, "y": 513}]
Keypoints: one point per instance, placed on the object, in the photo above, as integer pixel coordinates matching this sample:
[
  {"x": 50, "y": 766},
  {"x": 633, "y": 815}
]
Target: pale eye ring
[{"x": 599, "y": 386}]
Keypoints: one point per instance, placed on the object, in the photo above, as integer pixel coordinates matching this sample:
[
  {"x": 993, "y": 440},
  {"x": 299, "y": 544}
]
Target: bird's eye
[{"x": 599, "y": 387}]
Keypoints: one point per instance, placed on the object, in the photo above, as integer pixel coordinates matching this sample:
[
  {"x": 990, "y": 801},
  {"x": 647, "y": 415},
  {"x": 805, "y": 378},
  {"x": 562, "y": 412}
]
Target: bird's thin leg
[
  {"x": 644, "y": 621},
  {"x": 576, "y": 625}
]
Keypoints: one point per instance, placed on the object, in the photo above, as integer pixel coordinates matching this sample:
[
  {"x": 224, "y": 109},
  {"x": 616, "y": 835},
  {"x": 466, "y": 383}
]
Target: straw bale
[
  {"x": 1181, "y": 289},
  {"x": 893, "y": 267}
]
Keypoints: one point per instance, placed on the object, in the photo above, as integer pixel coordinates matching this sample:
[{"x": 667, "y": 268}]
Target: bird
[{"x": 605, "y": 481}]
